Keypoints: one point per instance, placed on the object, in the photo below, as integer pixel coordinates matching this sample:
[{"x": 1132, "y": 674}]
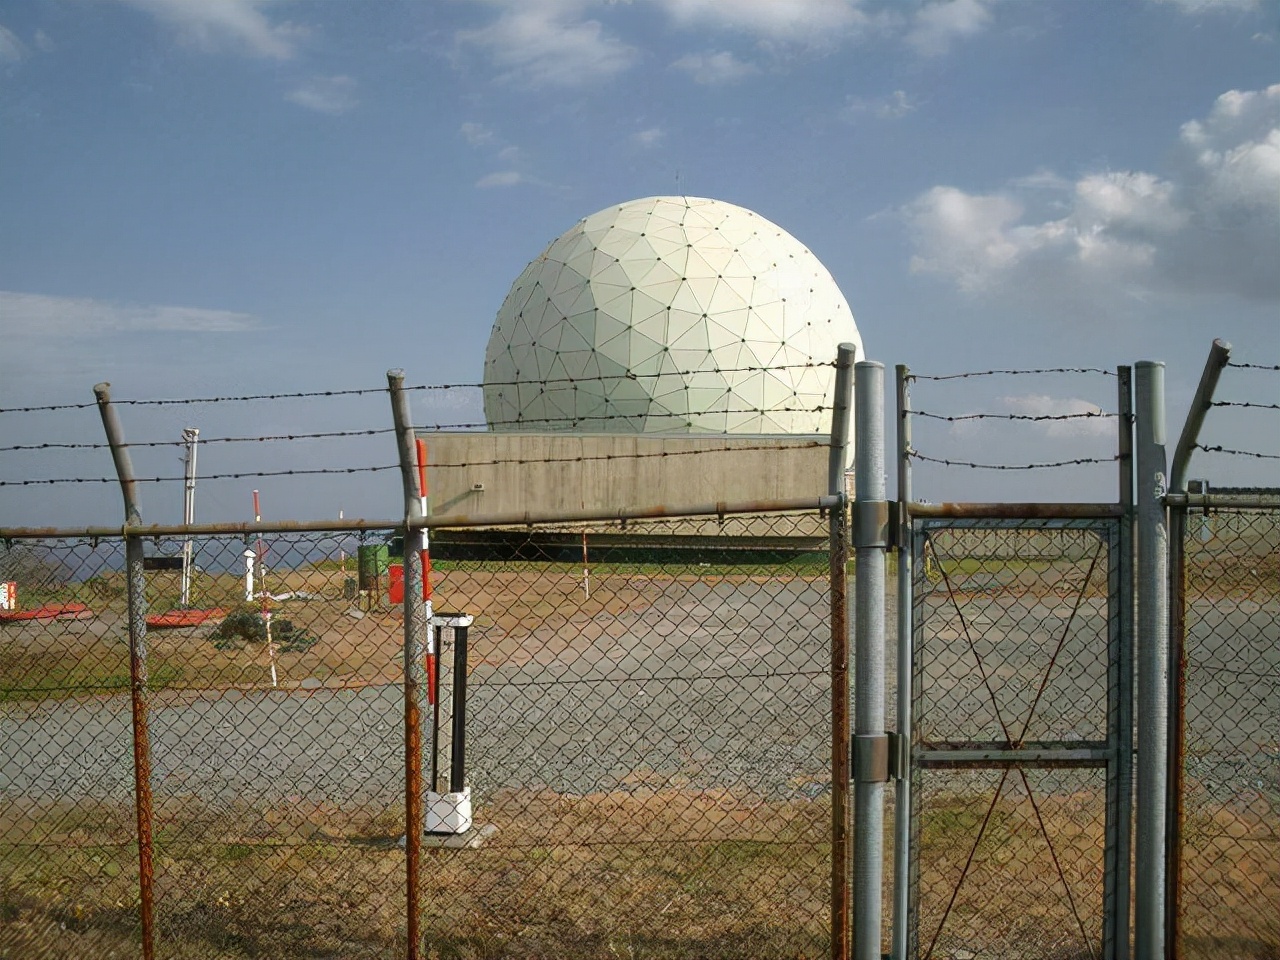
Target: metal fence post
[
  {"x": 1153, "y": 663},
  {"x": 1219, "y": 355},
  {"x": 902, "y": 789},
  {"x": 871, "y": 745},
  {"x": 137, "y": 593},
  {"x": 416, "y": 617},
  {"x": 839, "y": 459}
]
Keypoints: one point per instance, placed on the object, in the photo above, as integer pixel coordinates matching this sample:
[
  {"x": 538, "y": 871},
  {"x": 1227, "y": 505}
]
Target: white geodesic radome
[{"x": 669, "y": 315}]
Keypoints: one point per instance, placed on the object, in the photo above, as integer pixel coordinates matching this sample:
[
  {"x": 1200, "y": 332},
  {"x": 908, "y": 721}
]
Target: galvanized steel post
[
  {"x": 137, "y": 593},
  {"x": 871, "y": 745},
  {"x": 902, "y": 789},
  {"x": 1201, "y": 403},
  {"x": 415, "y": 681},
  {"x": 838, "y": 459},
  {"x": 1153, "y": 663}
]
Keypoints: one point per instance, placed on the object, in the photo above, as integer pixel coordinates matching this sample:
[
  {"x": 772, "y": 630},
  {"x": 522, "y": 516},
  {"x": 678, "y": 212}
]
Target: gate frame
[{"x": 1117, "y": 854}]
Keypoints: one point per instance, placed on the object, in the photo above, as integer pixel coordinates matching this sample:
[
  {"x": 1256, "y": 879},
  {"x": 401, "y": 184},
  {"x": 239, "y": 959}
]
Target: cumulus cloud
[
  {"x": 331, "y": 95},
  {"x": 892, "y": 107},
  {"x": 1213, "y": 225},
  {"x": 217, "y": 25},
  {"x": 549, "y": 43},
  {"x": 650, "y": 137},
  {"x": 1205, "y": 6},
  {"x": 937, "y": 24},
  {"x": 36, "y": 315},
  {"x": 476, "y": 134},
  {"x": 721, "y": 67},
  {"x": 795, "y": 20},
  {"x": 502, "y": 178}
]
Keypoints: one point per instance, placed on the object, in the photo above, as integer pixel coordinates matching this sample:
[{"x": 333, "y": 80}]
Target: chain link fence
[
  {"x": 1229, "y": 844},
  {"x": 647, "y": 744},
  {"x": 1017, "y": 681}
]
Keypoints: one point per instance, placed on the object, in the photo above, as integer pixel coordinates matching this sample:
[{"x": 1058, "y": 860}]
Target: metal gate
[{"x": 1021, "y": 741}]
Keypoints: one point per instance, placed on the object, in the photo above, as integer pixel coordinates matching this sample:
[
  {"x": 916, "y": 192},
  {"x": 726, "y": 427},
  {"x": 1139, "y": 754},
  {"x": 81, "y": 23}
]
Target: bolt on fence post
[
  {"x": 138, "y": 698},
  {"x": 871, "y": 746},
  {"x": 836, "y": 465},
  {"x": 1201, "y": 403},
  {"x": 1153, "y": 663},
  {"x": 902, "y": 789},
  {"x": 415, "y": 681}
]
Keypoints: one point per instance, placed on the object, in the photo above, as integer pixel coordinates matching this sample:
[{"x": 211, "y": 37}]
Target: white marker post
[{"x": 266, "y": 597}]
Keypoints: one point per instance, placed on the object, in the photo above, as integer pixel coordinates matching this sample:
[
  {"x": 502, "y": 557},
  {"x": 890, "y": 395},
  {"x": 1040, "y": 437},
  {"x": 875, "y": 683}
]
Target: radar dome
[{"x": 669, "y": 315}]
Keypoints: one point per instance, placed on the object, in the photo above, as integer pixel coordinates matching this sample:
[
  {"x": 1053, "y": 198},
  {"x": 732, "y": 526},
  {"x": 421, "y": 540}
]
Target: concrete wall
[{"x": 564, "y": 471}]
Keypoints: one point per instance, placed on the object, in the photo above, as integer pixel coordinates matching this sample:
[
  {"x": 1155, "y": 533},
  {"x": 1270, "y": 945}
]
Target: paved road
[
  {"x": 717, "y": 684},
  {"x": 721, "y": 684}
]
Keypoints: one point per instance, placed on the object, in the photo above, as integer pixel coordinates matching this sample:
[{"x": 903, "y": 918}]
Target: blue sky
[{"x": 213, "y": 197}]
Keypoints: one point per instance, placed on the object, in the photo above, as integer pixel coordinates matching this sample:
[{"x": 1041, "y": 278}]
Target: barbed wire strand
[
  {"x": 1245, "y": 404},
  {"x": 436, "y": 466},
  {"x": 425, "y": 428},
  {"x": 1012, "y": 466},
  {"x": 1013, "y": 416},
  {"x": 1239, "y": 453},
  {"x": 361, "y": 391},
  {"x": 1254, "y": 366},
  {"x": 1011, "y": 373}
]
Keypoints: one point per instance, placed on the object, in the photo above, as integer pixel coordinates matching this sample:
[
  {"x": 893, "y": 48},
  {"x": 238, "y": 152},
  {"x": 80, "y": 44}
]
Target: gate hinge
[
  {"x": 870, "y": 761},
  {"x": 872, "y": 523}
]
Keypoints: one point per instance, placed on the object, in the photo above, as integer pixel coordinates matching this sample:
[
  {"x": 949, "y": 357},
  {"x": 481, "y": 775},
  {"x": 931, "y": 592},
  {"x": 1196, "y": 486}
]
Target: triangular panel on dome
[
  {"x": 688, "y": 338},
  {"x": 571, "y": 339},
  {"x": 685, "y": 300},
  {"x": 726, "y": 297}
]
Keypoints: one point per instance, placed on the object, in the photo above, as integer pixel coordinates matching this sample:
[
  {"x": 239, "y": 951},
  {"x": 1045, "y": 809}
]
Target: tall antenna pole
[{"x": 190, "y": 437}]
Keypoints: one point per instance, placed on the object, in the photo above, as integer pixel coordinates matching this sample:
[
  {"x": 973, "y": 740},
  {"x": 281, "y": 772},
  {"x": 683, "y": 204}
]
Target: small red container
[{"x": 395, "y": 580}]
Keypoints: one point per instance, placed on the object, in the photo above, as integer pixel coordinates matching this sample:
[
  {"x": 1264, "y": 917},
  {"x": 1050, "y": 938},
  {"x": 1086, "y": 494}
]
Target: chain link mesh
[
  {"x": 68, "y": 857},
  {"x": 647, "y": 744},
  {"x": 1014, "y": 649},
  {"x": 1230, "y": 893}
]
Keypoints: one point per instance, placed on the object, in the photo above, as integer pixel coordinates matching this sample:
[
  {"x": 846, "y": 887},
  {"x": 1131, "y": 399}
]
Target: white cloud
[
  {"x": 476, "y": 134},
  {"x": 787, "y": 20},
  {"x": 1203, "y": 6},
  {"x": 548, "y": 43},
  {"x": 1088, "y": 419},
  {"x": 332, "y": 95},
  {"x": 892, "y": 107},
  {"x": 44, "y": 42},
  {"x": 11, "y": 48},
  {"x": 715, "y": 68},
  {"x": 1213, "y": 226},
  {"x": 37, "y": 315},
  {"x": 938, "y": 23},
  {"x": 650, "y": 137},
  {"x": 503, "y": 178},
  {"x": 217, "y": 25}
]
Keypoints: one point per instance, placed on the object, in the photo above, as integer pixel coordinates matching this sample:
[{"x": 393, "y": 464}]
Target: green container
[{"x": 372, "y": 561}]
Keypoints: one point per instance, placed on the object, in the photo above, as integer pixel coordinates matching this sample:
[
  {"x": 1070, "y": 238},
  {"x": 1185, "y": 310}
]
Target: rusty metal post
[
  {"x": 1119, "y": 815},
  {"x": 416, "y": 617},
  {"x": 902, "y": 791},
  {"x": 137, "y": 667},
  {"x": 840, "y": 773},
  {"x": 1219, "y": 355}
]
